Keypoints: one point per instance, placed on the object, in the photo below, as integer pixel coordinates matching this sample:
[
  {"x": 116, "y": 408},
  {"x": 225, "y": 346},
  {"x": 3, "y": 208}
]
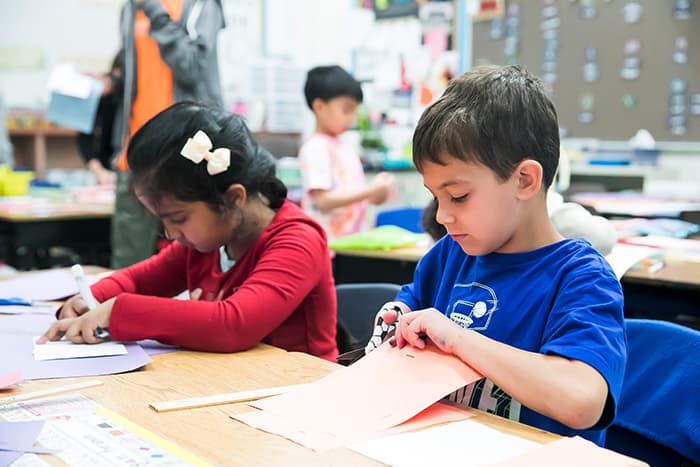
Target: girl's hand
[
  {"x": 413, "y": 329},
  {"x": 80, "y": 330},
  {"x": 73, "y": 307}
]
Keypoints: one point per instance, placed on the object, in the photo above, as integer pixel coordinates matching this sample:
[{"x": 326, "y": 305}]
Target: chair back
[
  {"x": 658, "y": 418},
  {"x": 406, "y": 218},
  {"x": 357, "y": 306}
]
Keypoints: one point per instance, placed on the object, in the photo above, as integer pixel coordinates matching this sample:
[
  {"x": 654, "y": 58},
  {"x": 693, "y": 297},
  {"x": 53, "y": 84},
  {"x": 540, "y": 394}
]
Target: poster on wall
[
  {"x": 488, "y": 9},
  {"x": 384, "y": 9}
]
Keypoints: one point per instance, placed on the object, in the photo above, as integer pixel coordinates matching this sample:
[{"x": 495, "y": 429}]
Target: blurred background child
[{"x": 334, "y": 189}]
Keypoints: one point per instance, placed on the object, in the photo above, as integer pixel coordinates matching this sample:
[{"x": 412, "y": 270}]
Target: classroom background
[{"x": 623, "y": 74}]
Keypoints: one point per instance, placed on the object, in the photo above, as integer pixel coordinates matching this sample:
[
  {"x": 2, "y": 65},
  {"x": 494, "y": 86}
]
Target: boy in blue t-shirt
[{"x": 540, "y": 316}]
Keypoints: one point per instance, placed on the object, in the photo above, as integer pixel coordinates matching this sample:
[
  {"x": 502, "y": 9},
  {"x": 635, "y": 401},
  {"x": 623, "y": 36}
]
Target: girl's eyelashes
[
  {"x": 459, "y": 199},
  {"x": 178, "y": 221}
]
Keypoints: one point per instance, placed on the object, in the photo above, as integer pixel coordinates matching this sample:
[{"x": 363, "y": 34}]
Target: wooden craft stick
[
  {"x": 50, "y": 392},
  {"x": 218, "y": 399}
]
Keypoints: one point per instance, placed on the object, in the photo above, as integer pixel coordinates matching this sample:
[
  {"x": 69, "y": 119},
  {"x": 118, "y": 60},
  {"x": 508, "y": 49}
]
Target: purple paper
[
  {"x": 16, "y": 438},
  {"x": 152, "y": 347},
  {"x": 42, "y": 286},
  {"x": 8, "y": 457},
  {"x": 16, "y": 346}
]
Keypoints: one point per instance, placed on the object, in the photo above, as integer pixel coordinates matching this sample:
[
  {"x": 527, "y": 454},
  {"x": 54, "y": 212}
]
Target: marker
[
  {"x": 86, "y": 293},
  {"x": 83, "y": 287}
]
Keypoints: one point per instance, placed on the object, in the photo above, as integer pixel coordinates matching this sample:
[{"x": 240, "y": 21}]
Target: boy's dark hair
[
  {"x": 495, "y": 116},
  {"x": 327, "y": 82},
  {"x": 159, "y": 169}
]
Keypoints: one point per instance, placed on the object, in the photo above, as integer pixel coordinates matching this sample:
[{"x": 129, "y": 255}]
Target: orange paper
[
  {"x": 380, "y": 391},
  {"x": 572, "y": 452},
  {"x": 320, "y": 441}
]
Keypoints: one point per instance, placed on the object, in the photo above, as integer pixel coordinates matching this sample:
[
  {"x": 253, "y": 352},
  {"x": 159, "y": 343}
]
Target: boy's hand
[
  {"x": 414, "y": 327},
  {"x": 385, "y": 324},
  {"x": 382, "y": 187},
  {"x": 80, "y": 330}
]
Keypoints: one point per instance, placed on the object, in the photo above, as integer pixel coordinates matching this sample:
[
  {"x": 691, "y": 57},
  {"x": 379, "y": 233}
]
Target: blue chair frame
[{"x": 357, "y": 306}]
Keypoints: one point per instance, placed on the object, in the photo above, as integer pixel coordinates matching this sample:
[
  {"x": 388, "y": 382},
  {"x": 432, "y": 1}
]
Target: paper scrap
[
  {"x": 17, "y": 438},
  {"x": 58, "y": 350},
  {"x": 10, "y": 379}
]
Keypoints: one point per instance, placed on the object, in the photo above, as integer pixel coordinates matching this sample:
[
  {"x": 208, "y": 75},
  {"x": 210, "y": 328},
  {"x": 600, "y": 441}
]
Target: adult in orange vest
[{"x": 169, "y": 51}]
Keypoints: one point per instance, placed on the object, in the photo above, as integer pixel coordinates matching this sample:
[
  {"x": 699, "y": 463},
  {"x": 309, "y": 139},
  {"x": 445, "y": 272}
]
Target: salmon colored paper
[
  {"x": 380, "y": 391},
  {"x": 10, "y": 379},
  {"x": 321, "y": 441}
]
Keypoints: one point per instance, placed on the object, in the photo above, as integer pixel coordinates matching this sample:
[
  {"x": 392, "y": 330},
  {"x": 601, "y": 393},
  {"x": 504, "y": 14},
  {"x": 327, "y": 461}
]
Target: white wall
[{"x": 84, "y": 32}]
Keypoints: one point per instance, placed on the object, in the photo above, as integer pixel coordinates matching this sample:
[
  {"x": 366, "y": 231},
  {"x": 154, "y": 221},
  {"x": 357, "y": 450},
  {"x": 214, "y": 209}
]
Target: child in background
[
  {"x": 538, "y": 315},
  {"x": 334, "y": 188},
  {"x": 257, "y": 266}
]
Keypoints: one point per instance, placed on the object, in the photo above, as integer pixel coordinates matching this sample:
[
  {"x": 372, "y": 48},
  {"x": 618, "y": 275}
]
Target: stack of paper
[{"x": 370, "y": 398}]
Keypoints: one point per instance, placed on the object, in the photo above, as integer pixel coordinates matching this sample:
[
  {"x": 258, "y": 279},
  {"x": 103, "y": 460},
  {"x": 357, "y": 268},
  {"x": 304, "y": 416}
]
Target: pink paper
[
  {"x": 380, "y": 391},
  {"x": 10, "y": 379},
  {"x": 321, "y": 441},
  {"x": 572, "y": 452}
]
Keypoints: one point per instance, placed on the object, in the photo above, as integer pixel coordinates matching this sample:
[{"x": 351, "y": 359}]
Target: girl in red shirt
[{"x": 257, "y": 268}]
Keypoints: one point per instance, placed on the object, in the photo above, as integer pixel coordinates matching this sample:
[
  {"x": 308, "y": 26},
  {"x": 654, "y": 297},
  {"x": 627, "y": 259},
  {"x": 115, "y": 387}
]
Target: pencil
[{"x": 50, "y": 392}]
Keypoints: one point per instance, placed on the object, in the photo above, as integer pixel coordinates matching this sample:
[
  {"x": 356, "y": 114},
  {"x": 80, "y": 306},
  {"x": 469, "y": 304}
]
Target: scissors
[{"x": 381, "y": 332}]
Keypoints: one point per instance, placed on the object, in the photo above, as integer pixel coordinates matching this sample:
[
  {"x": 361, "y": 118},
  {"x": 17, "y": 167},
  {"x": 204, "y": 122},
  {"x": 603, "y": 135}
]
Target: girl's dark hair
[
  {"x": 159, "y": 169},
  {"x": 495, "y": 116}
]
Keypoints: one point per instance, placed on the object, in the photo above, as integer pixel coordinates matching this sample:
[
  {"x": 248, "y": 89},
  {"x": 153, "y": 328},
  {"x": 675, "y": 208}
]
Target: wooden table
[
  {"x": 26, "y": 233},
  {"x": 208, "y": 432}
]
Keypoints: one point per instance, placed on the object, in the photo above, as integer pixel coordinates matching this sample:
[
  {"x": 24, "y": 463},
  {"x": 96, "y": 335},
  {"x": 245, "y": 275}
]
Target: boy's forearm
[{"x": 568, "y": 391}]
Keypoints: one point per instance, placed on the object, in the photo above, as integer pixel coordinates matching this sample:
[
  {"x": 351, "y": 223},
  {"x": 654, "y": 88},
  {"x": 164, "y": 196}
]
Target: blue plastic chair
[
  {"x": 357, "y": 306},
  {"x": 658, "y": 419},
  {"x": 406, "y": 218}
]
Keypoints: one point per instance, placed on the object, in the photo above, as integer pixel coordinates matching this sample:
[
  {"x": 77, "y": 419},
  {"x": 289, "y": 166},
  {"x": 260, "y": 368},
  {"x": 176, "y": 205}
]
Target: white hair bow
[{"x": 199, "y": 147}]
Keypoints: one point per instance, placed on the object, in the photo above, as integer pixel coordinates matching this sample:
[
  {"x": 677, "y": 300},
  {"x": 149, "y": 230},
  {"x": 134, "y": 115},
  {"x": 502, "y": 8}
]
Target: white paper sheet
[
  {"x": 66, "y": 80},
  {"x": 623, "y": 256},
  {"x": 65, "y": 349},
  {"x": 466, "y": 443}
]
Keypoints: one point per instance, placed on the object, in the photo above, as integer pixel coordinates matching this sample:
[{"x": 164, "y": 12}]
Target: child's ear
[
  {"x": 317, "y": 104},
  {"x": 529, "y": 177},
  {"x": 235, "y": 195}
]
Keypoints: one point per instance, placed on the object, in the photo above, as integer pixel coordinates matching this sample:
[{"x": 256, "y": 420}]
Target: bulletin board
[{"x": 610, "y": 67}]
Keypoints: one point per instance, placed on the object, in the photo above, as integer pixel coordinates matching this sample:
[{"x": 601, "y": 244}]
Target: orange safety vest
[{"x": 154, "y": 79}]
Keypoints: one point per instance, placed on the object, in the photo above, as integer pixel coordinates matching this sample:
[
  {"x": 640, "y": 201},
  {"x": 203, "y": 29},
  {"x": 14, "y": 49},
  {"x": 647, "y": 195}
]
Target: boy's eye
[
  {"x": 178, "y": 220},
  {"x": 459, "y": 199}
]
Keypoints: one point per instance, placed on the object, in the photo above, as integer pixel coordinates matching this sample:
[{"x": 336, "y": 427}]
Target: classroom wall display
[{"x": 612, "y": 67}]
